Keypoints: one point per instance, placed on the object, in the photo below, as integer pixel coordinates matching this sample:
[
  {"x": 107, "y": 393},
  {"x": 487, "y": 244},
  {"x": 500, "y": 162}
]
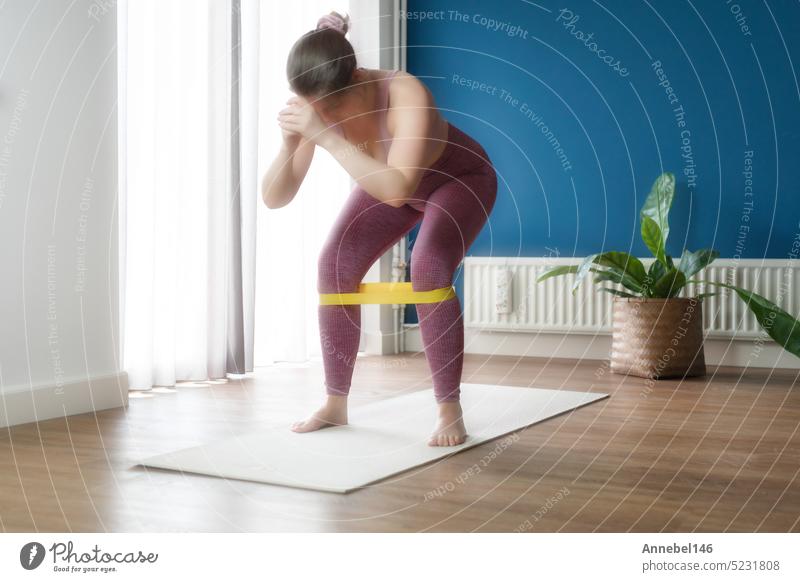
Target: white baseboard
[
  {"x": 24, "y": 404},
  {"x": 728, "y": 352},
  {"x": 377, "y": 343}
]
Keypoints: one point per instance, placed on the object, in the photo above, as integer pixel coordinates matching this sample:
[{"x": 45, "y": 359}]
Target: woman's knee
[
  {"x": 430, "y": 270},
  {"x": 335, "y": 273}
]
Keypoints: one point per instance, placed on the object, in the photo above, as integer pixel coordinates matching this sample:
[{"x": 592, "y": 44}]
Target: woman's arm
[
  {"x": 395, "y": 181},
  {"x": 287, "y": 171}
]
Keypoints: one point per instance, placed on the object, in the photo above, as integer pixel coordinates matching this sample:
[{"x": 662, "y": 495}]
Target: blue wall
[{"x": 730, "y": 68}]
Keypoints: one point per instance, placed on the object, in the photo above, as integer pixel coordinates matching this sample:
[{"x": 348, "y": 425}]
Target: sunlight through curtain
[
  {"x": 290, "y": 238},
  {"x": 188, "y": 189}
]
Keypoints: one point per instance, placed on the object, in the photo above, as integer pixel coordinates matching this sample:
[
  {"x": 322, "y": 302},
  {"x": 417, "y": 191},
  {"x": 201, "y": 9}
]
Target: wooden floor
[{"x": 720, "y": 453}]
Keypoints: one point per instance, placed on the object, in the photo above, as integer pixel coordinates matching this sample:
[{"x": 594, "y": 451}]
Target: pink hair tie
[{"x": 333, "y": 21}]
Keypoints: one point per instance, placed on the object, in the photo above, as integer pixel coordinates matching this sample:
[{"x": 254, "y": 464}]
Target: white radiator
[{"x": 501, "y": 294}]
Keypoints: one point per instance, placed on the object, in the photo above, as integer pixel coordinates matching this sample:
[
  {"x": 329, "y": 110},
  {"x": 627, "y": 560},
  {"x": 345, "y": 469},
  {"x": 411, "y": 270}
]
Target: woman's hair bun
[
  {"x": 335, "y": 21},
  {"x": 322, "y": 61}
]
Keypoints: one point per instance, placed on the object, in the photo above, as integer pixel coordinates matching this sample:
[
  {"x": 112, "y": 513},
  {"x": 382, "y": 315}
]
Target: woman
[{"x": 410, "y": 165}]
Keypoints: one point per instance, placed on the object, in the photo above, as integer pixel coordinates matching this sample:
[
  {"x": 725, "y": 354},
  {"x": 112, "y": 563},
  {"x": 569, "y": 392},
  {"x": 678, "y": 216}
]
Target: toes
[
  {"x": 447, "y": 440},
  {"x": 301, "y": 426}
]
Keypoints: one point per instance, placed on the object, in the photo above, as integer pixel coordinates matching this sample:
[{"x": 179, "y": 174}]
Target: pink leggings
[{"x": 453, "y": 201}]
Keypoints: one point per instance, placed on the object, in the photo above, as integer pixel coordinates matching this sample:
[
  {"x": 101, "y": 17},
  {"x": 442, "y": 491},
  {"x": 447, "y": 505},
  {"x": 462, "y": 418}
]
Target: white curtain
[
  {"x": 187, "y": 223},
  {"x": 210, "y": 277},
  {"x": 290, "y": 238}
]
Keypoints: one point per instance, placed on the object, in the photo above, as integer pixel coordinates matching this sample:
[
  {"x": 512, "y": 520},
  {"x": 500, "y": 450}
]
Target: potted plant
[{"x": 657, "y": 334}]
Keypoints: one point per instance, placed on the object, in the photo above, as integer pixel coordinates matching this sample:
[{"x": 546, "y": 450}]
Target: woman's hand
[
  {"x": 300, "y": 118},
  {"x": 291, "y": 139}
]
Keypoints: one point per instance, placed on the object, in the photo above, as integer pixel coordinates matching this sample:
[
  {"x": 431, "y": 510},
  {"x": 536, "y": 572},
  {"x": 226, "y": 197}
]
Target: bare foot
[
  {"x": 450, "y": 430},
  {"x": 332, "y": 413}
]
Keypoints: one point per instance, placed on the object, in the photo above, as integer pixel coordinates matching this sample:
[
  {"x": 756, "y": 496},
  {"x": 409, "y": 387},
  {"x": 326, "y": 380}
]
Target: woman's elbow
[
  {"x": 406, "y": 192},
  {"x": 273, "y": 198},
  {"x": 271, "y": 202}
]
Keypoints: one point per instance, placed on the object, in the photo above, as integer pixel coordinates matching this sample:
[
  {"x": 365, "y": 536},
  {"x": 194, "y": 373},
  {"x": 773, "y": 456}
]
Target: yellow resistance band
[{"x": 387, "y": 293}]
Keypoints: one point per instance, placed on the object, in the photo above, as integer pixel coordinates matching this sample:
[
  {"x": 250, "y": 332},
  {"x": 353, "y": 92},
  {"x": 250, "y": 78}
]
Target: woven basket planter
[{"x": 658, "y": 338}]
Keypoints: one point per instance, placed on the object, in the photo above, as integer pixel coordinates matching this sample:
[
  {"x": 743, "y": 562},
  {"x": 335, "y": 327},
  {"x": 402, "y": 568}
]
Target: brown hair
[{"x": 322, "y": 61}]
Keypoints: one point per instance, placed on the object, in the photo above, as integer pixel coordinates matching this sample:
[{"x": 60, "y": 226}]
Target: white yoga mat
[{"x": 382, "y": 439}]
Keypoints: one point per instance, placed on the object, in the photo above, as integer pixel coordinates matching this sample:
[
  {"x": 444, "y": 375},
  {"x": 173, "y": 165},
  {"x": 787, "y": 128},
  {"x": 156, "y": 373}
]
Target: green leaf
[
  {"x": 612, "y": 266},
  {"x": 651, "y": 235},
  {"x": 670, "y": 284},
  {"x": 778, "y": 324},
  {"x": 617, "y": 276},
  {"x": 623, "y": 262},
  {"x": 656, "y": 270},
  {"x": 587, "y": 267},
  {"x": 704, "y": 295},
  {"x": 659, "y": 201},
  {"x": 654, "y": 273},
  {"x": 615, "y": 292},
  {"x": 557, "y": 271},
  {"x": 692, "y": 263},
  {"x": 582, "y": 271}
]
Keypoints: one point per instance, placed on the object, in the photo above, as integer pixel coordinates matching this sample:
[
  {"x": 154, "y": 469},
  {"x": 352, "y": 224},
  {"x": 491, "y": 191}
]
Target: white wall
[{"x": 58, "y": 214}]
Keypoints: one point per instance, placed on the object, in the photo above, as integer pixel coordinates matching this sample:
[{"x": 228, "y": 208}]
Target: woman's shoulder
[
  {"x": 398, "y": 74},
  {"x": 405, "y": 86}
]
